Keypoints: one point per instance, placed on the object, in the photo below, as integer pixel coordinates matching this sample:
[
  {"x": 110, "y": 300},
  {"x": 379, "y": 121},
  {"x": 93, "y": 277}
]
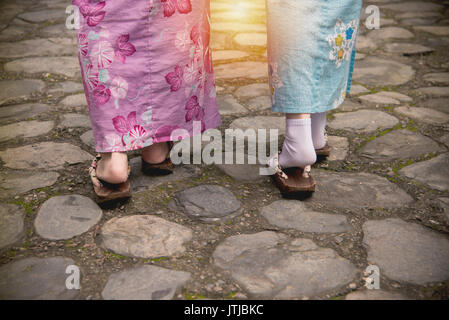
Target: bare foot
[
  {"x": 156, "y": 153},
  {"x": 113, "y": 167}
]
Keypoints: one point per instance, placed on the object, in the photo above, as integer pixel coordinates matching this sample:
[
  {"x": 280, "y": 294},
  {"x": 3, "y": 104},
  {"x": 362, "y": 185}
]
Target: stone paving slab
[
  {"x": 25, "y": 129},
  {"x": 144, "y": 236},
  {"x": 357, "y": 190},
  {"x": 270, "y": 265},
  {"x": 425, "y": 115},
  {"x": 44, "y": 155},
  {"x": 22, "y": 112},
  {"x": 406, "y": 251},
  {"x": 39, "y": 47},
  {"x": 144, "y": 283},
  {"x": 249, "y": 69},
  {"x": 64, "y": 217},
  {"x": 407, "y": 49},
  {"x": 19, "y": 89},
  {"x": 17, "y": 182},
  {"x": 207, "y": 203},
  {"x": 362, "y": 121},
  {"x": 375, "y": 295},
  {"x": 11, "y": 225},
  {"x": 36, "y": 279},
  {"x": 433, "y": 172},
  {"x": 374, "y": 71},
  {"x": 398, "y": 144},
  {"x": 296, "y": 215},
  {"x": 66, "y": 66}
]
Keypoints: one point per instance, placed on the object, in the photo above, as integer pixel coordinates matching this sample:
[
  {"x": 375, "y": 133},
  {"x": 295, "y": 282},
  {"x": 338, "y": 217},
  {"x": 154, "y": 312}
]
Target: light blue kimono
[{"x": 311, "y": 52}]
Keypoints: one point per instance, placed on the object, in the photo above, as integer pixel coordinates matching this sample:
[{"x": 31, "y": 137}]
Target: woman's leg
[
  {"x": 156, "y": 153},
  {"x": 113, "y": 167},
  {"x": 318, "y": 129},
  {"x": 297, "y": 150}
]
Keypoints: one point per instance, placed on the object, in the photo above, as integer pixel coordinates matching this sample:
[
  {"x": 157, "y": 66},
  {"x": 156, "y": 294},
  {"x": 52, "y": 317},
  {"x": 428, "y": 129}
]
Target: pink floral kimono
[{"x": 147, "y": 70}]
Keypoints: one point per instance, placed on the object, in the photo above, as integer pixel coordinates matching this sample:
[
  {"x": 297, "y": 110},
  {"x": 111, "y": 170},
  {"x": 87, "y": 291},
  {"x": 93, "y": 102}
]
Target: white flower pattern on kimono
[
  {"x": 102, "y": 55},
  {"x": 342, "y": 41}
]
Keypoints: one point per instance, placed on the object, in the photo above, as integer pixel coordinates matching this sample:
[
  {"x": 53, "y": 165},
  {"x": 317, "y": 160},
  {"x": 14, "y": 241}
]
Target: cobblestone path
[{"x": 221, "y": 231}]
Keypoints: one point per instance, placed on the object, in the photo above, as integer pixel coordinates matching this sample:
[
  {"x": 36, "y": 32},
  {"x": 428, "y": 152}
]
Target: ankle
[{"x": 155, "y": 153}]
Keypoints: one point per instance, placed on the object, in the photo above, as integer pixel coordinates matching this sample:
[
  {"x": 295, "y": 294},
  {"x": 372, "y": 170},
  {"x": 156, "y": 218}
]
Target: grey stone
[
  {"x": 38, "y": 47},
  {"x": 349, "y": 105},
  {"x": 407, "y": 251},
  {"x": 19, "y": 89},
  {"x": 74, "y": 120},
  {"x": 339, "y": 148},
  {"x": 296, "y": 215},
  {"x": 439, "y": 104},
  {"x": 418, "y": 21},
  {"x": 12, "y": 33},
  {"x": 141, "y": 182},
  {"x": 417, "y": 14},
  {"x": 259, "y": 103},
  {"x": 398, "y": 144},
  {"x": 407, "y": 49},
  {"x": 413, "y": 6},
  {"x": 22, "y": 112},
  {"x": 17, "y": 182},
  {"x": 445, "y": 139},
  {"x": 36, "y": 279},
  {"x": 433, "y": 172},
  {"x": 433, "y": 91},
  {"x": 251, "y": 39},
  {"x": 357, "y": 89},
  {"x": 444, "y": 204},
  {"x": 362, "y": 121},
  {"x": 377, "y": 99},
  {"x": 208, "y": 203},
  {"x": 375, "y": 71},
  {"x": 66, "y": 66},
  {"x": 396, "y": 95},
  {"x": 426, "y": 115},
  {"x": 435, "y": 30},
  {"x": 64, "y": 217},
  {"x": 259, "y": 122},
  {"x": 270, "y": 265},
  {"x": 144, "y": 283},
  {"x": 66, "y": 87},
  {"x": 144, "y": 236},
  {"x": 375, "y": 295},
  {"x": 44, "y": 155},
  {"x": 11, "y": 225},
  {"x": 218, "y": 55},
  {"x": 43, "y": 15},
  {"x": 438, "y": 78},
  {"x": 247, "y": 171},
  {"x": 253, "y": 90},
  {"x": 57, "y": 30},
  {"x": 246, "y": 69},
  {"x": 75, "y": 100},
  {"x": 347, "y": 190},
  {"x": 390, "y": 33},
  {"x": 88, "y": 138},
  {"x": 365, "y": 44},
  {"x": 25, "y": 129},
  {"x": 228, "y": 105}
]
